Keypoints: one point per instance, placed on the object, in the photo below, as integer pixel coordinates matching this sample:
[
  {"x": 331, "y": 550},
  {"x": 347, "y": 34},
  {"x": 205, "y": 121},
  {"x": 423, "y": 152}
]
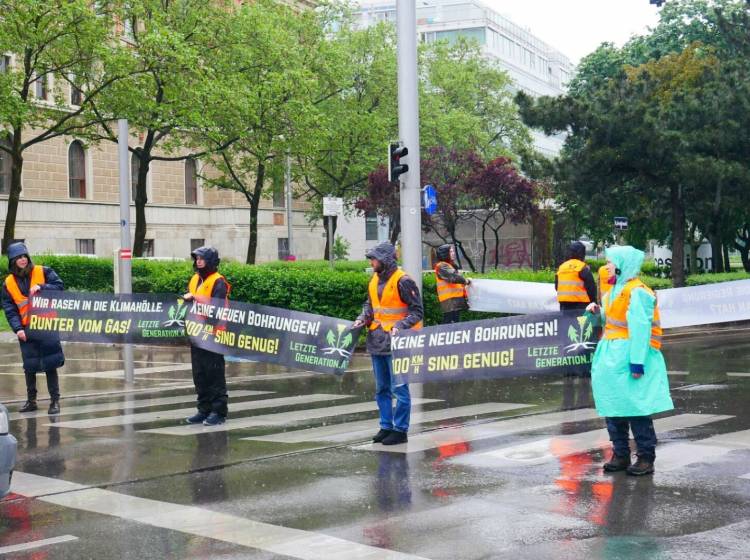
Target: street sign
[
  {"x": 621, "y": 223},
  {"x": 333, "y": 206},
  {"x": 126, "y": 254},
  {"x": 429, "y": 199}
]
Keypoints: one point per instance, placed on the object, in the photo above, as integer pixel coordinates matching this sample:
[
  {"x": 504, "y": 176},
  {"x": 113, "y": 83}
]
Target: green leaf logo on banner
[
  {"x": 581, "y": 337},
  {"x": 176, "y": 314},
  {"x": 337, "y": 344}
]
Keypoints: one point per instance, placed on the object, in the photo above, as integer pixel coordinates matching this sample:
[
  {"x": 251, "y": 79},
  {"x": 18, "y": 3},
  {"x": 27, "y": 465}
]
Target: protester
[
  {"x": 451, "y": 285},
  {"x": 208, "y": 367},
  {"x": 574, "y": 281},
  {"x": 25, "y": 280},
  {"x": 628, "y": 373},
  {"x": 393, "y": 304}
]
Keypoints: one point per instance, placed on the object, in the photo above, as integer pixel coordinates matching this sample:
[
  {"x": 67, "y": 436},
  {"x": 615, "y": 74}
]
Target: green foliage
[{"x": 341, "y": 248}]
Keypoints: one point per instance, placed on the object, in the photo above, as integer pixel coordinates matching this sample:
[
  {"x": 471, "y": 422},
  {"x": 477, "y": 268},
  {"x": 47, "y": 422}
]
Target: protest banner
[
  {"x": 507, "y": 347},
  {"x": 254, "y": 332}
]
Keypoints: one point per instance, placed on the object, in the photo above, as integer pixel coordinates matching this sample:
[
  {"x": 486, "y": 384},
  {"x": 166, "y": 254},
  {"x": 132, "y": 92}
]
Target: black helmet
[
  {"x": 577, "y": 250},
  {"x": 443, "y": 253},
  {"x": 208, "y": 254}
]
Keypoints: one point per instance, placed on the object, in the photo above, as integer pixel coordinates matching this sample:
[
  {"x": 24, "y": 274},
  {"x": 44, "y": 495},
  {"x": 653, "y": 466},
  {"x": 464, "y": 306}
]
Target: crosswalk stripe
[
  {"x": 677, "y": 455},
  {"x": 118, "y": 405},
  {"x": 738, "y": 374},
  {"x": 141, "y": 417},
  {"x": 356, "y": 430},
  {"x": 21, "y": 547},
  {"x": 437, "y": 438},
  {"x": 550, "y": 448},
  {"x": 192, "y": 520},
  {"x": 276, "y": 419},
  {"x": 678, "y": 372}
]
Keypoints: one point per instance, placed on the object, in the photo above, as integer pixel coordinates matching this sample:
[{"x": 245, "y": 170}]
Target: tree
[
  {"x": 54, "y": 48},
  {"x": 170, "y": 50}
]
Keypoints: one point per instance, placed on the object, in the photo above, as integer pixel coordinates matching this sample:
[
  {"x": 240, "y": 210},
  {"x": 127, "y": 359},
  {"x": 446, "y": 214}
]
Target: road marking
[
  {"x": 552, "y": 448},
  {"x": 678, "y": 455},
  {"x": 364, "y": 428},
  {"x": 99, "y": 394},
  {"x": 119, "y": 373},
  {"x": 678, "y": 372},
  {"x": 738, "y": 374},
  {"x": 437, "y": 438},
  {"x": 36, "y": 544},
  {"x": 118, "y": 405},
  {"x": 191, "y": 520},
  {"x": 177, "y": 414},
  {"x": 276, "y": 419}
]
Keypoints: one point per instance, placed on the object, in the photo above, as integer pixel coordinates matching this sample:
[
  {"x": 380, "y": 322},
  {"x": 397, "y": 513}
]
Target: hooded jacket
[
  {"x": 378, "y": 340},
  {"x": 616, "y": 392},
  {"x": 212, "y": 260},
  {"x": 446, "y": 270}
]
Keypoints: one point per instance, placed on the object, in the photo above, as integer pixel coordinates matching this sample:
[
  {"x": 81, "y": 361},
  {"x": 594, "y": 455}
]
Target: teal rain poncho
[{"x": 616, "y": 391}]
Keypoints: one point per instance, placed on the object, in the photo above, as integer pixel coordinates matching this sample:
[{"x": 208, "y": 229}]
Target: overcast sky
[{"x": 577, "y": 27}]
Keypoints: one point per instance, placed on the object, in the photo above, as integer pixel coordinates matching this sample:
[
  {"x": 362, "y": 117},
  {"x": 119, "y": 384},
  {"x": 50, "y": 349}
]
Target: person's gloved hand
[
  {"x": 593, "y": 308},
  {"x": 636, "y": 370}
]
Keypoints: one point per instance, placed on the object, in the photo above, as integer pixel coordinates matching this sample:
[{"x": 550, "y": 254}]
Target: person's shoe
[
  {"x": 381, "y": 435},
  {"x": 617, "y": 463},
  {"x": 196, "y": 418},
  {"x": 54, "y": 407},
  {"x": 394, "y": 438},
  {"x": 214, "y": 420},
  {"x": 30, "y": 406},
  {"x": 641, "y": 468}
]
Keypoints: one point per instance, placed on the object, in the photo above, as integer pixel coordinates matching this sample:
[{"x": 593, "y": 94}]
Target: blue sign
[{"x": 429, "y": 199}]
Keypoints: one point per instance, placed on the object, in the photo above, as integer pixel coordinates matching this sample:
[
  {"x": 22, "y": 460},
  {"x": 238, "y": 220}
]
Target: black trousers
[
  {"x": 451, "y": 316},
  {"x": 53, "y": 384},
  {"x": 210, "y": 381}
]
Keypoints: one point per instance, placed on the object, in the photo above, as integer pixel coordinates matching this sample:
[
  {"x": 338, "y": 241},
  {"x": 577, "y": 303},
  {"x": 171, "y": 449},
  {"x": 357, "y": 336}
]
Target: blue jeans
[
  {"x": 384, "y": 393},
  {"x": 643, "y": 433}
]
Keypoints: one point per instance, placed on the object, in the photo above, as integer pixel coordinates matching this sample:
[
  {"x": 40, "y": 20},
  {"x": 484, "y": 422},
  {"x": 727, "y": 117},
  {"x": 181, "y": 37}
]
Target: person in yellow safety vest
[
  {"x": 393, "y": 304},
  {"x": 628, "y": 372},
  {"x": 209, "y": 373},
  {"x": 574, "y": 281},
  {"x": 451, "y": 285},
  {"x": 605, "y": 282},
  {"x": 25, "y": 280}
]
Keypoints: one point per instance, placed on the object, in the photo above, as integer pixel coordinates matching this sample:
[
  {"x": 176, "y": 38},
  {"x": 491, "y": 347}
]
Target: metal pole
[
  {"x": 408, "y": 130},
  {"x": 125, "y": 283},
  {"x": 289, "y": 213},
  {"x": 330, "y": 240}
]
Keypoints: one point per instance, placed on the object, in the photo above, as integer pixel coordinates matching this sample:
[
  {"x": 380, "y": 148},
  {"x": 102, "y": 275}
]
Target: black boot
[
  {"x": 394, "y": 438},
  {"x": 30, "y": 406},
  {"x": 641, "y": 467},
  {"x": 54, "y": 407},
  {"x": 381, "y": 435},
  {"x": 617, "y": 463}
]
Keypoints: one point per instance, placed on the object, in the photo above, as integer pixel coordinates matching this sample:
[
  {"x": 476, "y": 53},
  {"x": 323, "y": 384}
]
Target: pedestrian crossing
[
  {"x": 349, "y": 431},
  {"x": 178, "y": 414},
  {"x": 277, "y": 419}
]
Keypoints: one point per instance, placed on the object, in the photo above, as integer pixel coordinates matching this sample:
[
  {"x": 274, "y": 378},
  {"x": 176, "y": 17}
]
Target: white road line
[
  {"x": 707, "y": 450},
  {"x": 191, "y": 520},
  {"x": 141, "y": 417},
  {"x": 349, "y": 431},
  {"x": 116, "y": 373},
  {"x": 118, "y": 405},
  {"x": 36, "y": 544},
  {"x": 547, "y": 449},
  {"x": 678, "y": 372},
  {"x": 432, "y": 440},
  {"x": 98, "y": 394},
  {"x": 738, "y": 374},
  {"x": 276, "y": 419},
  {"x": 744, "y": 476}
]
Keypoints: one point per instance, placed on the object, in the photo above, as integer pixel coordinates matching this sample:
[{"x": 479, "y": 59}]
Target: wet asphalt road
[{"x": 493, "y": 469}]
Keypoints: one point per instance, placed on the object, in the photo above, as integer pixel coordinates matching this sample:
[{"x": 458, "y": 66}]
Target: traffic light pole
[{"x": 408, "y": 130}]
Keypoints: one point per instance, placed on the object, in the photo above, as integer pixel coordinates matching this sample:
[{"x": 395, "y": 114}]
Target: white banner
[{"x": 679, "y": 307}]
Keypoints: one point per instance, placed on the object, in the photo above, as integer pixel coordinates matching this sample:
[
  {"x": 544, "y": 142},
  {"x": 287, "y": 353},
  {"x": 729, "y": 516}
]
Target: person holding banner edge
[
  {"x": 25, "y": 280},
  {"x": 451, "y": 285},
  {"x": 393, "y": 304},
  {"x": 628, "y": 372},
  {"x": 209, "y": 374},
  {"x": 574, "y": 281}
]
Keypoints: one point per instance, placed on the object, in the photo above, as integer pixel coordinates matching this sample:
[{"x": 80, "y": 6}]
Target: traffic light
[{"x": 395, "y": 168}]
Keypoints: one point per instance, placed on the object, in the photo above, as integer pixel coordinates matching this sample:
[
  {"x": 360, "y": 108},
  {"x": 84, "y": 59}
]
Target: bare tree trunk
[
  {"x": 9, "y": 230},
  {"x": 254, "y": 200},
  {"x": 742, "y": 244},
  {"x": 141, "y": 199},
  {"x": 717, "y": 262},
  {"x": 678, "y": 237}
]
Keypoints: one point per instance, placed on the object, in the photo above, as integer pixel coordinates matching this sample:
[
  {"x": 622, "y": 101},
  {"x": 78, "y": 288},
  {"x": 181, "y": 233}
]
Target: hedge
[{"x": 310, "y": 286}]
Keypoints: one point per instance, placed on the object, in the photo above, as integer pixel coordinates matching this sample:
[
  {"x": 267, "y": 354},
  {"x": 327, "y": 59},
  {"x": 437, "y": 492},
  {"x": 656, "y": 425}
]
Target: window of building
[
  {"x": 195, "y": 243},
  {"x": 135, "y": 166},
  {"x": 76, "y": 95},
  {"x": 4, "y": 63},
  {"x": 76, "y": 170},
  {"x": 41, "y": 87},
  {"x": 283, "y": 245},
  {"x": 279, "y": 198},
  {"x": 371, "y": 226},
  {"x": 191, "y": 182},
  {"x": 85, "y": 247},
  {"x": 5, "y": 168},
  {"x": 148, "y": 247}
]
